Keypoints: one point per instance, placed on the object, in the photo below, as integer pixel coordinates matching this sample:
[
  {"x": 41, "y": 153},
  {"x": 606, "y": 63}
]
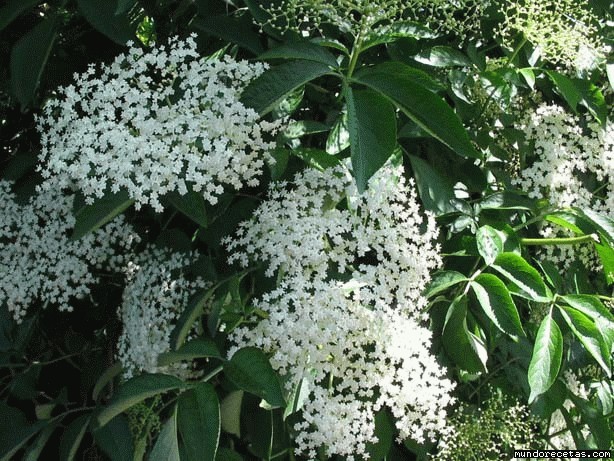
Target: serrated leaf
[
  {"x": 435, "y": 190},
  {"x": 372, "y": 127},
  {"x": 400, "y": 84},
  {"x": 166, "y": 447},
  {"x": 72, "y": 437},
  {"x": 601, "y": 222},
  {"x": 269, "y": 89},
  {"x": 301, "y": 50},
  {"x": 489, "y": 242},
  {"x": 443, "y": 56},
  {"x": 91, "y": 217},
  {"x": 121, "y": 28},
  {"x": 194, "y": 309},
  {"x": 134, "y": 391},
  {"x": 198, "y": 418},
  {"x": 497, "y": 304},
  {"x": 29, "y": 57},
  {"x": 443, "y": 280},
  {"x": 250, "y": 370},
  {"x": 462, "y": 346},
  {"x": 515, "y": 268},
  {"x": 395, "y": 31},
  {"x": 546, "y": 358},
  {"x": 300, "y": 128},
  {"x": 196, "y": 348},
  {"x": 191, "y": 204},
  {"x": 585, "y": 329},
  {"x": 12, "y": 9},
  {"x": 339, "y": 137}
]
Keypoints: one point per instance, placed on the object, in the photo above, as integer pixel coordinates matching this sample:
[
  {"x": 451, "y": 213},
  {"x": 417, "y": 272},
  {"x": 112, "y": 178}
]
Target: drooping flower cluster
[
  {"x": 39, "y": 262},
  {"x": 155, "y": 122},
  {"x": 565, "y": 31},
  {"x": 157, "y": 292},
  {"x": 361, "y": 17},
  {"x": 345, "y": 316},
  {"x": 568, "y": 158}
]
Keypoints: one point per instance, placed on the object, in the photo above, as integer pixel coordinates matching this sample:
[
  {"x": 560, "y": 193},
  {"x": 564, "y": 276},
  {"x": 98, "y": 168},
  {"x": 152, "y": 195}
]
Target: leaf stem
[
  {"x": 216, "y": 371},
  {"x": 558, "y": 240}
]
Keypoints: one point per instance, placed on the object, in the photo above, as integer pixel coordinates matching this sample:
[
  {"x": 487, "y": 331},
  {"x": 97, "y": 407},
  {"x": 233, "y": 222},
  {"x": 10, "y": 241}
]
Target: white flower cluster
[
  {"x": 155, "y": 122},
  {"x": 156, "y": 294},
  {"x": 38, "y": 260},
  {"x": 345, "y": 316},
  {"x": 567, "y": 158}
]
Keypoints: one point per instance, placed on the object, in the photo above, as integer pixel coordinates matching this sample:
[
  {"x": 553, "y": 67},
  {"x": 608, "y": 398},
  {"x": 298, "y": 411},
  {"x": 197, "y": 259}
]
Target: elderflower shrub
[
  {"x": 39, "y": 262},
  {"x": 360, "y": 17},
  {"x": 154, "y": 122},
  {"x": 490, "y": 432},
  {"x": 568, "y": 156},
  {"x": 349, "y": 292},
  {"x": 565, "y": 31},
  {"x": 157, "y": 292}
]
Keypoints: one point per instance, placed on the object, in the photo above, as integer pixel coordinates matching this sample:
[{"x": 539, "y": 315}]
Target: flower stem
[{"x": 558, "y": 241}]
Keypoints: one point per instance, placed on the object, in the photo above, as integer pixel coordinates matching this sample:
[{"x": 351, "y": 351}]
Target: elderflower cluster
[
  {"x": 568, "y": 159},
  {"x": 565, "y": 31},
  {"x": 361, "y": 17},
  {"x": 491, "y": 432},
  {"x": 157, "y": 292},
  {"x": 351, "y": 269},
  {"x": 39, "y": 262},
  {"x": 154, "y": 122}
]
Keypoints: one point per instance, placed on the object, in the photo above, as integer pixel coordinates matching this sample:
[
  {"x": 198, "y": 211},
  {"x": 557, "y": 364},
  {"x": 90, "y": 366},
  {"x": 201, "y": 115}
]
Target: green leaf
[
  {"x": 199, "y": 422},
  {"x": 167, "y": 445},
  {"x": 187, "y": 318},
  {"x": 384, "y": 431},
  {"x": 234, "y": 29},
  {"x": 490, "y": 243},
  {"x": 300, "y": 128},
  {"x": 507, "y": 201},
  {"x": 105, "y": 378},
  {"x": 194, "y": 349},
  {"x": 115, "y": 439},
  {"x": 601, "y": 222},
  {"x": 72, "y": 437},
  {"x": 29, "y": 57},
  {"x": 609, "y": 70},
  {"x": 91, "y": 217},
  {"x": 272, "y": 87},
  {"x": 120, "y": 28},
  {"x": 462, "y": 346},
  {"x": 566, "y": 88},
  {"x": 398, "y": 83},
  {"x": 606, "y": 255},
  {"x": 123, "y": 6},
  {"x": 546, "y": 358},
  {"x": 589, "y": 335},
  {"x": 316, "y": 158},
  {"x": 339, "y": 137},
  {"x": 230, "y": 413},
  {"x": 250, "y": 370},
  {"x": 578, "y": 91},
  {"x": 395, "y": 31},
  {"x": 191, "y": 204},
  {"x": 497, "y": 304},
  {"x": 373, "y": 133},
  {"x": 33, "y": 452},
  {"x": 15, "y": 431},
  {"x": 301, "y": 50},
  {"x": 443, "y": 280},
  {"x": 13, "y": 9},
  {"x": 134, "y": 391},
  {"x": 435, "y": 190},
  {"x": 443, "y": 56},
  {"x": 523, "y": 275},
  {"x": 299, "y": 395}
]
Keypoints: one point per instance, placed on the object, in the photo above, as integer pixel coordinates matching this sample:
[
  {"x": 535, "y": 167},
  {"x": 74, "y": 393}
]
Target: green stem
[
  {"x": 214, "y": 373},
  {"x": 557, "y": 241}
]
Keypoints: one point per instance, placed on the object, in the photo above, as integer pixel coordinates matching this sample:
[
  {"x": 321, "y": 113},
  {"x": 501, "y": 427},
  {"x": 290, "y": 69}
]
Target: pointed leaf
[
  {"x": 497, "y": 304},
  {"x": 397, "y": 82},
  {"x": 396, "y": 30},
  {"x": 523, "y": 275},
  {"x": 547, "y": 357},
  {"x": 72, "y": 437},
  {"x": 443, "y": 56},
  {"x": 134, "y": 391},
  {"x": 91, "y": 217},
  {"x": 316, "y": 158},
  {"x": 197, "y": 348},
  {"x": 123, "y": 6},
  {"x": 443, "y": 280},
  {"x": 115, "y": 439},
  {"x": 250, "y": 370},
  {"x": 167, "y": 445},
  {"x": 234, "y": 29},
  {"x": 199, "y": 422},
  {"x": 490, "y": 243},
  {"x": 15, "y": 431},
  {"x": 270, "y": 88},
  {"x": 191, "y": 204},
  {"x": 120, "y": 28},
  {"x": 585, "y": 329},
  {"x": 373, "y": 133},
  {"x": 462, "y": 346},
  {"x": 12, "y": 9},
  {"x": 187, "y": 318},
  {"x": 29, "y": 57},
  {"x": 435, "y": 190},
  {"x": 301, "y": 50}
]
